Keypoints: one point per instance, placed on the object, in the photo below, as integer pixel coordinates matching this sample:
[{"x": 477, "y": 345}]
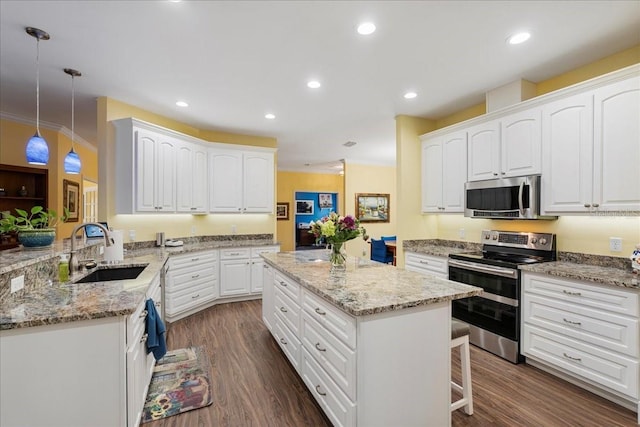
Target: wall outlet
[
  {"x": 132, "y": 235},
  {"x": 101, "y": 250},
  {"x": 17, "y": 283},
  {"x": 193, "y": 230},
  {"x": 615, "y": 244},
  {"x": 234, "y": 229},
  {"x": 461, "y": 233}
]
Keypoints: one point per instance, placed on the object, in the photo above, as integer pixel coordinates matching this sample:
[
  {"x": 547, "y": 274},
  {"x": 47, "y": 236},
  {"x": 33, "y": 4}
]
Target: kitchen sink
[{"x": 108, "y": 274}]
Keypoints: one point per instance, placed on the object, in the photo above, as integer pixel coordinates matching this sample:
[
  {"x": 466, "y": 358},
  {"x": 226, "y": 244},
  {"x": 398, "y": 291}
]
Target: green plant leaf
[
  {"x": 36, "y": 209},
  {"x": 22, "y": 213}
]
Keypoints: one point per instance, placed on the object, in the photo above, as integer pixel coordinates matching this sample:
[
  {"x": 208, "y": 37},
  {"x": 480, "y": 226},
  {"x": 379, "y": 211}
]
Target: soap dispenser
[{"x": 63, "y": 268}]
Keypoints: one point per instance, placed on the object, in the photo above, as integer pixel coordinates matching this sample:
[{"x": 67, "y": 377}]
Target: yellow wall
[
  {"x": 587, "y": 234},
  {"x": 13, "y": 140},
  {"x": 370, "y": 179},
  {"x": 288, "y": 184},
  {"x": 174, "y": 225}
]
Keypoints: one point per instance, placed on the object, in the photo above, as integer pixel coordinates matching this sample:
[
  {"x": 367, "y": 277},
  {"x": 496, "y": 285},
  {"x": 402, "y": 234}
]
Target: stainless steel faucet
[{"x": 74, "y": 265}]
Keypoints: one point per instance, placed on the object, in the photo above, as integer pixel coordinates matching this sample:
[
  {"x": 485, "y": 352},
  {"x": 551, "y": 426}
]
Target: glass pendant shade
[
  {"x": 37, "y": 150},
  {"x": 72, "y": 163}
]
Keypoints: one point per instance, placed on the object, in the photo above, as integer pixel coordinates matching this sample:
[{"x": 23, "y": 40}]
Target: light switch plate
[{"x": 17, "y": 283}]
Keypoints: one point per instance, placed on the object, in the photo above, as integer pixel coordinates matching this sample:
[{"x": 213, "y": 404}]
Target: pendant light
[
  {"x": 72, "y": 162},
  {"x": 37, "y": 148}
]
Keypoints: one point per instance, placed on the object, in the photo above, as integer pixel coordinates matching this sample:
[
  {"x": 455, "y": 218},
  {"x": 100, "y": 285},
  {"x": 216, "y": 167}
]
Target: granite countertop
[
  {"x": 68, "y": 302},
  {"x": 437, "y": 247},
  {"x": 367, "y": 287},
  {"x": 587, "y": 272}
]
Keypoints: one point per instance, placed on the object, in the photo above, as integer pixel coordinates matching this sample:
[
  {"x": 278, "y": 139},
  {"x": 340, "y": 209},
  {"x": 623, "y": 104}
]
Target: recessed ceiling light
[
  {"x": 366, "y": 28},
  {"x": 270, "y": 116},
  {"x": 410, "y": 95},
  {"x": 518, "y": 38},
  {"x": 349, "y": 143},
  {"x": 313, "y": 84},
  {"x": 182, "y": 104}
]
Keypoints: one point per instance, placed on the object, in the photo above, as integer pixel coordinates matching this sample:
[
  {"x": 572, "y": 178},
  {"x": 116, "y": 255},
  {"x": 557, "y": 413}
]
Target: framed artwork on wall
[
  {"x": 71, "y": 199},
  {"x": 282, "y": 210},
  {"x": 304, "y": 207},
  {"x": 372, "y": 207},
  {"x": 325, "y": 200}
]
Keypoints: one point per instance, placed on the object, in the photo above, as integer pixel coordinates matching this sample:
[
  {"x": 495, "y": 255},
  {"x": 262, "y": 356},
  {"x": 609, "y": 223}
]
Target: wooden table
[{"x": 391, "y": 247}]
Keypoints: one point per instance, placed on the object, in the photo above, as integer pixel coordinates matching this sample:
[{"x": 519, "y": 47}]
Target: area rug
[{"x": 179, "y": 384}]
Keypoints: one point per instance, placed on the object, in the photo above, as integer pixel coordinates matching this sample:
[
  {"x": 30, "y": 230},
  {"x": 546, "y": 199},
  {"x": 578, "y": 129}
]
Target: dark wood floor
[{"x": 254, "y": 385}]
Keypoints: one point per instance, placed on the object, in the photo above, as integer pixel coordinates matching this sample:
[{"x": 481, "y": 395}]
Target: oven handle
[
  {"x": 498, "y": 298},
  {"x": 482, "y": 268},
  {"x": 520, "y": 198}
]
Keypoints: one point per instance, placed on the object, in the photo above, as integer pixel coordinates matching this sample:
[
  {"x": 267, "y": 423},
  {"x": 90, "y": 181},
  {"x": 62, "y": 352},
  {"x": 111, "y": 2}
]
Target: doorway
[{"x": 311, "y": 206}]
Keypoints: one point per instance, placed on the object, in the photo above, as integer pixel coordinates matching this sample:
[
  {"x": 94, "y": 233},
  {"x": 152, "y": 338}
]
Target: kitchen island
[{"x": 372, "y": 344}]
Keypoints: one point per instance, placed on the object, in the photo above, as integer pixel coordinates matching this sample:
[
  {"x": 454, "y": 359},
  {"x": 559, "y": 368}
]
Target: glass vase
[{"x": 338, "y": 258}]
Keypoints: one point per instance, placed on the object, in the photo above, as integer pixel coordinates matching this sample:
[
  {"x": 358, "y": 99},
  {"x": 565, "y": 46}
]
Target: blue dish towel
[{"x": 155, "y": 332}]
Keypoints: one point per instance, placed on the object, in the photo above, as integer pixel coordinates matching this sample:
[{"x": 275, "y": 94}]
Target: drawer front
[
  {"x": 338, "y": 360},
  {"x": 187, "y": 278},
  {"x": 289, "y": 344},
  {"x": 235, "y": 253},
  {"x": 195, "y": 258},
  {"x": 425, "y": 263},
  {"x": 607, "y": 330},
  {"x": 288, "y": 311},
  {"x": 255, "y": 252},
  {"x": 615, "y": 300},
  {"x": 337, "y": 322},
  {"x": 340, "y": 410},
  {"x": 596, "y": 365},
  {"x": 288, "y": 287},
  {"x": 190, "y": 298},
  {"x": 136, "y": 324}
]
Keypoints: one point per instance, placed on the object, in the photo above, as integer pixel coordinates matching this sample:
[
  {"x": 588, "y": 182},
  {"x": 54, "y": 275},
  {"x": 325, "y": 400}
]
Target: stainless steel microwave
[{"x": 504, "y": 198}]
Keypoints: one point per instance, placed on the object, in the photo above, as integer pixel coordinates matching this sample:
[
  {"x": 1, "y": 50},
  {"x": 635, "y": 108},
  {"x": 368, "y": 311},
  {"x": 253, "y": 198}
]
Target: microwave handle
[{"x": 520, "y": 198}]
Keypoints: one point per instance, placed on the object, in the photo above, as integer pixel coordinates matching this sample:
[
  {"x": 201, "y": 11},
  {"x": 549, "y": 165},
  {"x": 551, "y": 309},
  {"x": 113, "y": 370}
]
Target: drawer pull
[
  {"x": 234, "y": 253},
  {"x": 596, "y": 205},
  {"x": 195, "y": 276},
  {"x": 570, "y": 322},
  {"x": 195, "y": 259},
  {"x": 282, "y": 309},
  {"x": 283, "y": 341},
  {"x": 144, "y": 338},
  {"x": 577, "y": 359},
  {"x": 318, "y": 347},
  {"x": 577, "y": 294},
  {"x": 320, "y": 312},
  {"x": 143, "y": 314},
  {"x": 283, "y": 284},
  {"x": 320, "y": 392},
  {"x": 195, "y": 296},
  {"x": 587, "y": 205},
  {"x": 424, "y": 262},
  {"x": 157, "y": 304}
]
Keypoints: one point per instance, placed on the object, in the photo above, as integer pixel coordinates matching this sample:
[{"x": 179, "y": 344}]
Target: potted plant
[{"x": 35, "y": 228}]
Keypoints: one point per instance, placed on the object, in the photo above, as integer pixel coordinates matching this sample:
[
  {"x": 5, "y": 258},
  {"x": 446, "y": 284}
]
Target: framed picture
[
  {"x": 325, "y": 200},
  {"x": 372, "y": 207},
  {"x": 282, "y": 210},
  {"x": 304, "y": 207},
  {"x": 71, "y": 199}
]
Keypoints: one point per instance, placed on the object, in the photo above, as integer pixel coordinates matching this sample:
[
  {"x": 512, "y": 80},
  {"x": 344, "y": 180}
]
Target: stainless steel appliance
[
  {"x": 504, "y": 198},
  {"x": 494, "y": 316}
]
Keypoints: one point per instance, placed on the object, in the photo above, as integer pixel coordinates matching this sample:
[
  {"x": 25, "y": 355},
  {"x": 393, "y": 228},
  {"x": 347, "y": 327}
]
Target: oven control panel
[{"x": 515, "y": 239}]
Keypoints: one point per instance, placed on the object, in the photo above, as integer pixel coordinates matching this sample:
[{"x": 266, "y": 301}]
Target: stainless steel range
[{"x": 494, "y": 316}]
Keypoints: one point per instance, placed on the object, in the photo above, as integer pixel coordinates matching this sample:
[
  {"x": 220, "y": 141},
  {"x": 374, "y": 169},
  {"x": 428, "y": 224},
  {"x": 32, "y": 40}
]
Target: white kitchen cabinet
[
  {"x": 191, "y": 283},
  {"x": 427, "y": 264},
  {"x": 192, "y": 178},
  {"x": 235, "y": 271},
  {"x": 155, "y": 172},
  {"x": 591, "y": 151},
  {"x": 257, "y": 267},
  {"x": 444, "y": 172},
  {"x": 585, "y": 331},
  {"x": 505, "y": 147},
  {"x": 241, "y": 181},
  {"x": 267, "y": 297}
]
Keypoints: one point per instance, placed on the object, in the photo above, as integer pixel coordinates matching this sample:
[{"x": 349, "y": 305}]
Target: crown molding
[{"x": 51, "y": 126}]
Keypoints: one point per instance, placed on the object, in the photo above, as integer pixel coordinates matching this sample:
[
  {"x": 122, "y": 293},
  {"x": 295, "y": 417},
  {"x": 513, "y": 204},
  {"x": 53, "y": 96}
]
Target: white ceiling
[{"x": 235, "y": 61}]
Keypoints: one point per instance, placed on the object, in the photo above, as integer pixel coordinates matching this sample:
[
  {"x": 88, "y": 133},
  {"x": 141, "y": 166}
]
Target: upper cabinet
[
  {"x": 591, "y": 150},
  {"x": 159, "y": 170},
  {"x": 505, "y": 147},
  {"x": 444, "y": 172},
  {"x": 241, "y": 181}
]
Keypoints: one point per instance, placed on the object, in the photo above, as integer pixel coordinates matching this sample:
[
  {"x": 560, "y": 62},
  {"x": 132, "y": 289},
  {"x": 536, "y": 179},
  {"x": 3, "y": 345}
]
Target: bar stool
[{"x": 460, "y": 338}]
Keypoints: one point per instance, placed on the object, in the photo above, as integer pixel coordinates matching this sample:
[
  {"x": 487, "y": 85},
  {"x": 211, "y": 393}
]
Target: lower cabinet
[
  {"x": 586, "y": 331},
  {"x": 427, "y": 264},
  {"x": 241, "y": 270}
]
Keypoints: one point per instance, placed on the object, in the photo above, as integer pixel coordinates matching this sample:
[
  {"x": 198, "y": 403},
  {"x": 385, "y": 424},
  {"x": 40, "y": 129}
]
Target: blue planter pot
[{"x": 37, "y": 238}]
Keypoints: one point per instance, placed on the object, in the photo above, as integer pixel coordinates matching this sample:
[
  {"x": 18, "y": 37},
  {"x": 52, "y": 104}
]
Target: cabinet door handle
[
  {"x": 318, "y": 347},
  {"x": 195, "y": 259},
  {"x": 577, "y": 359},
  {"x": 596, "y": 205},
  {"x": 143, "y": 314},
  {"x": 264, "y": 266},
  {"x": 284, "y": 284},
  {"x": 424, "y": 262},
  {"x": 495, "y": 174},
  {"x": 570, "y": 322},
  {"x": 159, "y": 207},
  {"x": 282, "y": 309},
  {"x": 576, "y": 294},
  {"x": 319, "y": 392},
  {"x": 320, "y": 312},
  {"x": 283, "y": 341},
  {"x": 195, "y": 276},
  {"x": 195, "y": 296},
  {"x": 587, "y": 205},
  {"x": 234, "y": 253},
  {"x": 157, "y": 303},
  {"x": 193, "y": 209},
  {"x": 144, "y": 338}
]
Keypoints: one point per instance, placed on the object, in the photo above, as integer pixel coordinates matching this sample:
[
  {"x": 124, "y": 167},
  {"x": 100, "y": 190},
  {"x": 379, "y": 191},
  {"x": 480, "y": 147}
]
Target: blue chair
[
  {"x": 379, "y": 252},
  {"x": 386, "y": 238}
]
